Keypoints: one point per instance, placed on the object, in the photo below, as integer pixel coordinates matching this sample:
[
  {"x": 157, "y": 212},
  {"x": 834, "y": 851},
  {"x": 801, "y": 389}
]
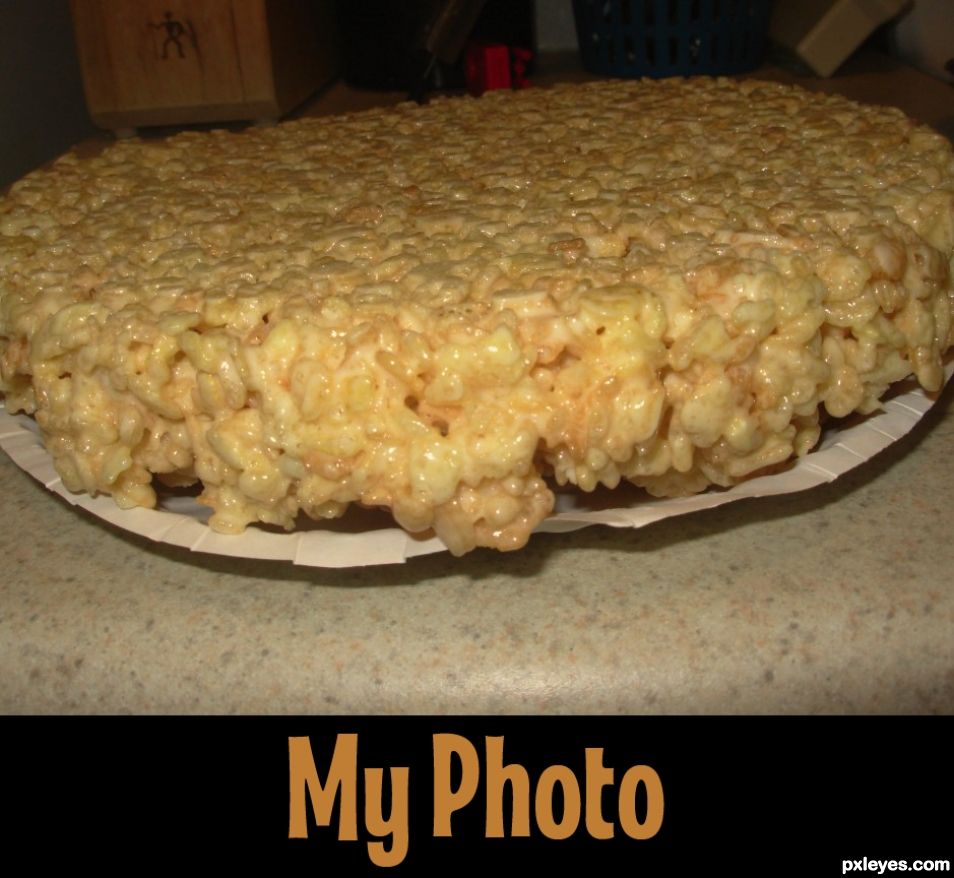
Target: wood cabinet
[{"x": 165, "y": 62}]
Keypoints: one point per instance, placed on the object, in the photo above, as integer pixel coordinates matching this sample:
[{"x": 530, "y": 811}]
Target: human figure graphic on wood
[{"x": 175, "y": 31}]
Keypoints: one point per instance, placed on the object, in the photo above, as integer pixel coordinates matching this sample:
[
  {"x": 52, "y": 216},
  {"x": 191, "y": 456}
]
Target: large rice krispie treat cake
[{"x": 446, "y": 310}]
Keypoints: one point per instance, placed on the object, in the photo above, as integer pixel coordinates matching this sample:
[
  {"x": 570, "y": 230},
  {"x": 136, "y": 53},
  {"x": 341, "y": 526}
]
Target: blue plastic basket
[{"x": 671, "y": 37}]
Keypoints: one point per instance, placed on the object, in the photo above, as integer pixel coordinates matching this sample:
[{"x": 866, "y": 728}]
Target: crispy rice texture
[{"x": 444, "y": 310}]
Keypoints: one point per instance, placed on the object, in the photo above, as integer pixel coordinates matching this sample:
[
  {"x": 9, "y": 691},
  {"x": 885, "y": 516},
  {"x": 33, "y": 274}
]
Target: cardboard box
[{"x": 823, "y": 33}]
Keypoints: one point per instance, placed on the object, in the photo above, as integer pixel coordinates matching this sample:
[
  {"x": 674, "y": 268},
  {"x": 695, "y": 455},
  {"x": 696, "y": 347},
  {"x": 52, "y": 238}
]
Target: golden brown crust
[{"x": 435, "y": 309}]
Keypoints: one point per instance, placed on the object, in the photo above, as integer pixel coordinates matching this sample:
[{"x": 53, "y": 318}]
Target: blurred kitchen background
[{"x": 263, "y": 59}]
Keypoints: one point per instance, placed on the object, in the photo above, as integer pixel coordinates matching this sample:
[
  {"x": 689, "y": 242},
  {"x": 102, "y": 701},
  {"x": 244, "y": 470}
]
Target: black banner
[{"x": 376, "y": 794}]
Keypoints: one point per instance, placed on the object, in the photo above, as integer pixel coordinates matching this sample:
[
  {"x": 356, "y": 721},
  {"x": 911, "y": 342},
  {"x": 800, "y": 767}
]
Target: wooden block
[{"x": 165, "y": 62}]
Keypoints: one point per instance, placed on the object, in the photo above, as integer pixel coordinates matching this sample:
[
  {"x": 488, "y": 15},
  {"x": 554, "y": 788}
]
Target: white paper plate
[{"x": 180, "y": 520}]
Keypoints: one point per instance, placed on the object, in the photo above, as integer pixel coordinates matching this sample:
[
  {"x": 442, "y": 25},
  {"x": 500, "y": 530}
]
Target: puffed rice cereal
[{"x": 446, "y": 310}]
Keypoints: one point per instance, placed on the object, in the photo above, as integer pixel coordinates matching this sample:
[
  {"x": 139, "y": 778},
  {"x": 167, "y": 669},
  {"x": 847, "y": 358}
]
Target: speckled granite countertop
[{"x": 840, "y": 599}]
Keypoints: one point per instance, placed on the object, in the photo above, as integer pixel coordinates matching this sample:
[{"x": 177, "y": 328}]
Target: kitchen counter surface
[{"x": 839, "y": 599}]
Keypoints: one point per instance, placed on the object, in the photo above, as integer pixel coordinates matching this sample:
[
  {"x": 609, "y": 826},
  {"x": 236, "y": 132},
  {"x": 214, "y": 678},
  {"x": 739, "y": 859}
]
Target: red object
[
  {"x": 489, "y": 66},
  {"x": 521, "y": 61}
]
